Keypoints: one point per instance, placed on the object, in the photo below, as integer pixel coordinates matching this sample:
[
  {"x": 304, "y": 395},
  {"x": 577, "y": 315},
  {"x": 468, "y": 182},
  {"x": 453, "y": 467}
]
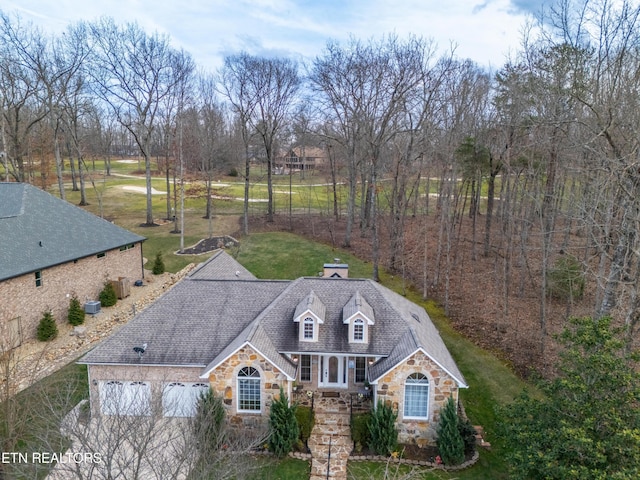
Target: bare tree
[
  {"x": 235, "y": 84},
  {"x": 262, "y": 92},
  {"x": 133, "y": 72},
  {"x": 210, "y": 139},
  {"x": 22, "y": 51},
  {"x": 144, "y": 430},
  {"x": 369, "y": 91}
]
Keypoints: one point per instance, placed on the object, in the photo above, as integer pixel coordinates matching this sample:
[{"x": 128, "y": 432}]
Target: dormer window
[
  {"x": 358, "y": 330},
  {"x": 308, "y": 329},
  {"x": 358, "y": 314},
  {"x": 309, "y": 315}
]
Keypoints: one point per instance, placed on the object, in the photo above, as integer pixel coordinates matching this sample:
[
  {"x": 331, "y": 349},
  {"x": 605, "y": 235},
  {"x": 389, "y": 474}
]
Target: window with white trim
[
  {"x": 307, "y": 328},
  {"x": 249, "y": 390},
  {"x": 416, "y": 396},
  {"x": 358, "y": 330}
]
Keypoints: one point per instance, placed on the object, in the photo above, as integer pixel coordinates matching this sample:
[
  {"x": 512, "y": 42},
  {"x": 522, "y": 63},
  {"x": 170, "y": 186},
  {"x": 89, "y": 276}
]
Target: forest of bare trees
[{"x": 531, "y": 170}]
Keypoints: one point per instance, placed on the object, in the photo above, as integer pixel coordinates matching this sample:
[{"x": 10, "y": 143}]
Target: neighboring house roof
[
  {"x": 39, "y": 231},
  {"x": 204, "y": 321}
]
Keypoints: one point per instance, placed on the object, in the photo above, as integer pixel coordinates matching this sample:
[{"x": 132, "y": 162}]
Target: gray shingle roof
[
  {"x": 355, "y": 305},
  {"x": 221, "y": 266},
  {"x": 190, "y": 324},
  {"x": 311, "y": 303},
  {"x": 202, "y": 322},
  {"x": 39, "y": 230}
]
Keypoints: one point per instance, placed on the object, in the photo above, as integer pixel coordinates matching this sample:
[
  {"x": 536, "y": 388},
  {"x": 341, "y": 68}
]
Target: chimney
[{"x": 336, "y": 269}]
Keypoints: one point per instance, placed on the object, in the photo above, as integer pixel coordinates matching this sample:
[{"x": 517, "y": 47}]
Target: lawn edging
[{"x": 403, "y": 461}]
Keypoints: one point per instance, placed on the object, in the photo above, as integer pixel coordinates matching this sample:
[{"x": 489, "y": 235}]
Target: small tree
[
  {"x": 382, "y": 429},
  {"x": 566, "y": 279},
  {"x": 108, "y": 297},
  {"x": 47, "y": 328},
  {"x": 76, "y": 312},
  {"x": 208, "y": 423},
  {"x": 158, "y": 264},
  {"x": 360, "y": 430},
  {"x": 283, "y": 426},
  {"x": 306, "y": 421},
  {"x": 450, "y": 442},
  {"x": 468, "y": 434}
]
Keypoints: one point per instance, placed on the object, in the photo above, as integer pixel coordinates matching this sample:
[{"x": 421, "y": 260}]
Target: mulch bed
[{"x": 207, "y": 245}]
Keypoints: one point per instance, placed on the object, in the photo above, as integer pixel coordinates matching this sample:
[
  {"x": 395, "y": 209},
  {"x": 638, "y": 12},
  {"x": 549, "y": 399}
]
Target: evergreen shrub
[{"x": 47, "y": 328}]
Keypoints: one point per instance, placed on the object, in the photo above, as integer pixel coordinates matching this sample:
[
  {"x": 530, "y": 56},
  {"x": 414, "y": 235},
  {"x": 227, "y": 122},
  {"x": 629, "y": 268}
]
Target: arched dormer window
[
  {"x": 249, "y": 390},
  {"x": 308, "y": 329},
  {"x": 416, "y": 396},
  {"x": 358, "y": 330}
]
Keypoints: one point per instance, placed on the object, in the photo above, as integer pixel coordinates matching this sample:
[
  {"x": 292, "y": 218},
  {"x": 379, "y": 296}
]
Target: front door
[{"x": 332, "y": 371}]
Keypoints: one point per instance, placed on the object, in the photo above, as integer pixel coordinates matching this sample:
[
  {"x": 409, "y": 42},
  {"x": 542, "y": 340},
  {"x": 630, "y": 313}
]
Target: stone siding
[
  {"x": 223, "y": 381},
  {"x": 390, "y": 389},
  {"x": 84, "y": 277},
  {"x": 157, "y": 376}
]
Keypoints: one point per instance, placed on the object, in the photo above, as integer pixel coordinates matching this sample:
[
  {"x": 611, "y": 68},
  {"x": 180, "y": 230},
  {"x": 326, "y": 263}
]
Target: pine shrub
[
  {"x": 47, "y": 328},
  {"x": 158, "y": 265},
  {"x": 565, "y": 280},
  {"x": 108, "y": 297},
  {"x": 76, "y": 312},
  {"x": 383, "y": 435},
  {"x": 283, "y": 426},
  {"x": 468, "y": 434},
  {"x": 360, "y": 430},
  {"x": 450, "y": 442},
  {"x": 209, "y": 424},
  {"x": 306, "y": 421}
]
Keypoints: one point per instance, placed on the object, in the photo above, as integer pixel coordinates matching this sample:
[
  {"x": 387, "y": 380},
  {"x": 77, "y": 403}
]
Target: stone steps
[{"x": 331, "y": 432}]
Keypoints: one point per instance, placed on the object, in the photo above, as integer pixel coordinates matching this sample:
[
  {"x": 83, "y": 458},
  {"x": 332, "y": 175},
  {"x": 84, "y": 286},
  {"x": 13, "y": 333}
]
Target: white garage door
[
  {"x": 181, "y": 399},
  {"x": 125, "y": 398}
]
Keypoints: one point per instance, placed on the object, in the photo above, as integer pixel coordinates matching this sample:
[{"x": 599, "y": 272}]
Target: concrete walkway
[{"x": 330, "y": 435}]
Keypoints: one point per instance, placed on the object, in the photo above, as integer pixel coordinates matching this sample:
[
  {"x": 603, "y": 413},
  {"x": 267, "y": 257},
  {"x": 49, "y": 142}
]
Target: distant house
[
  {"x": 301, "y": 158},
  {"x": 51, "y": 250},
  {"x": 245, "y": 338}
]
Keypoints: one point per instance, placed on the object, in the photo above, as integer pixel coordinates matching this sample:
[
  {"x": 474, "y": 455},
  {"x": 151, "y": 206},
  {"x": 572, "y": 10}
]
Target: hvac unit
[{"x": 92, "y": 307}]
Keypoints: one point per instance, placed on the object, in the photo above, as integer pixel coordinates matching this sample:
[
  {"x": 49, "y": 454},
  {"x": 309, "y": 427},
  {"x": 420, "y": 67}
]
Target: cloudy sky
[{"x": 483, "y": 30}]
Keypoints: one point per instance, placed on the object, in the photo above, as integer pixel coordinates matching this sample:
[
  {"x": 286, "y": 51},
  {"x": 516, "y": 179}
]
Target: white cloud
[{"x": 484, "y": 30}]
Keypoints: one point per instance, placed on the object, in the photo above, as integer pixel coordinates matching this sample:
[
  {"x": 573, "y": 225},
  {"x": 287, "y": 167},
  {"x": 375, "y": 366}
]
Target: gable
[{"x": 39, "y": 231}]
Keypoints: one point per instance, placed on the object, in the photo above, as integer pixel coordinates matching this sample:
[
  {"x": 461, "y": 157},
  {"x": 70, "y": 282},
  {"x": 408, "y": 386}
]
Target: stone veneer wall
[
  {"x": 157, "y": 376},
  {"x": 390, "y": 388},
  {"x": 84, "y": 277},
  {"x": 223, "y": 381}
]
